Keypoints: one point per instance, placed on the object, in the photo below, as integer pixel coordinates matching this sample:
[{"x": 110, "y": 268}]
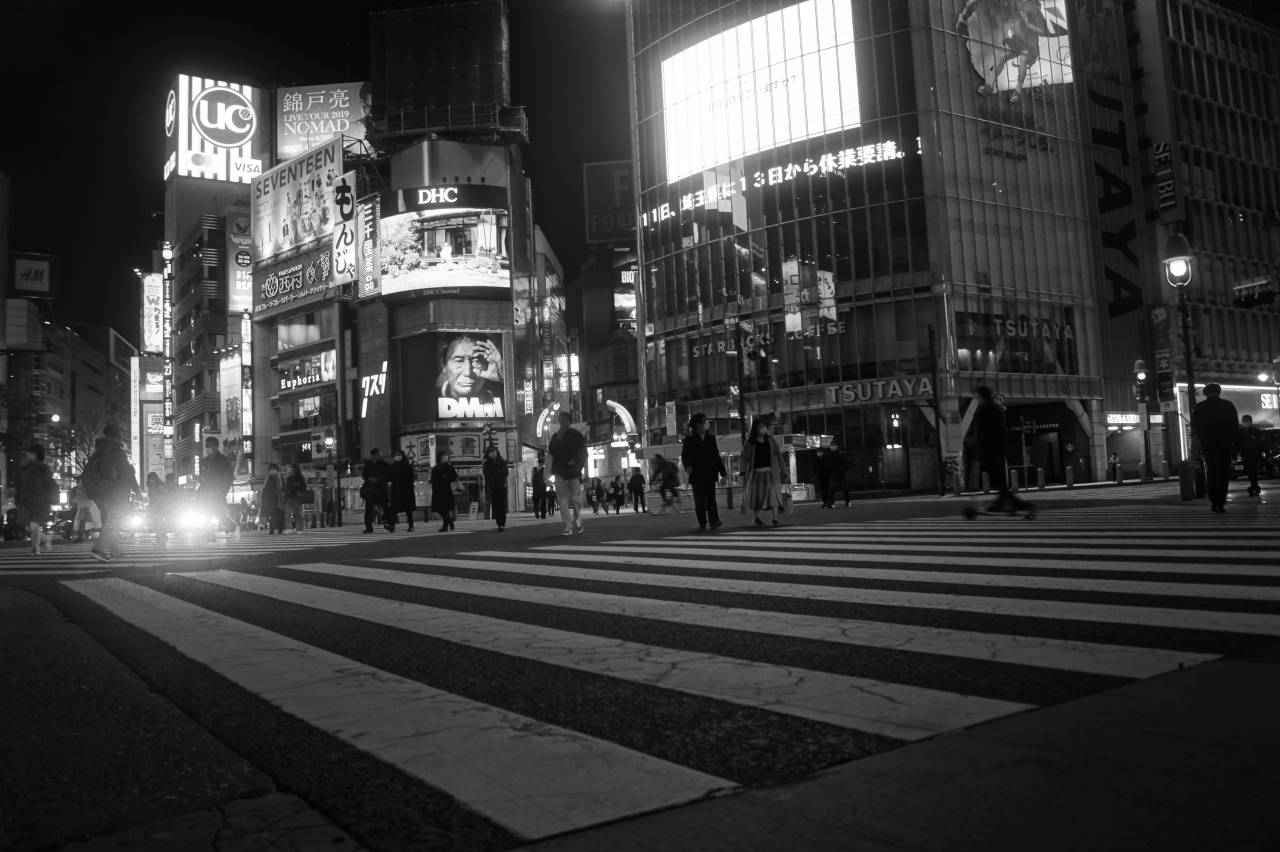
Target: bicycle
[{"x": 671, "y": 499}]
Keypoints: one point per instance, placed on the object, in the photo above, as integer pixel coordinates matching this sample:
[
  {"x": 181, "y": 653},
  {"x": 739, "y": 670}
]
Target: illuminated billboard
[
  {"x": 309, "y": 116},
  {"x": 780, "y": 78},
  {"x": 446, "y": 240},
  {"x": 1016, "y": 46},
  {"x": 346, "y": 230},
  {"x": 239, "y": 259},
  {"x": 467, "y": 372},
  {"x": 300, "y": 279},
  {"x": 291, "y": 203},
  {"x": 211, "y": 129},
  {"x": 152, "y": 313}
]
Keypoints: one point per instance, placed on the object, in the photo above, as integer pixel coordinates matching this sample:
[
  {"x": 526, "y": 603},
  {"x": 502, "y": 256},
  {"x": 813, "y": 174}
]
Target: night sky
[{"x": 82, "y": 140}]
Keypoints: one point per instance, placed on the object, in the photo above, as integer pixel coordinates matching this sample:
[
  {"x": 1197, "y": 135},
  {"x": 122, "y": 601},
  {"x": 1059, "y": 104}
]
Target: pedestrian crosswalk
[
  {"x": 142, "y": 551},
  {"x": 569, "y": 684}
]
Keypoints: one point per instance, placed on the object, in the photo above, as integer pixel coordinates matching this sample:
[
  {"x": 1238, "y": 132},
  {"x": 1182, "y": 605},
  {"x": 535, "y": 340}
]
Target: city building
[
  {"x": 854, "y": 213},
  {"x": 1208, "y": 128},
  {"x": 426, "y": 313}
]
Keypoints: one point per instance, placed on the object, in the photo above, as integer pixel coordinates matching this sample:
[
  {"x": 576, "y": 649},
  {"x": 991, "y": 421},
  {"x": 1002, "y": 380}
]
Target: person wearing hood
[
  {"x": 402, "y": 477},
  {"x": 495, "y": 485}
]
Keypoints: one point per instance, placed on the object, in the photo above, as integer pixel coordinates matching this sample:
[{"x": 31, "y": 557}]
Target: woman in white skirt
[{"x": 762, "y": 475}]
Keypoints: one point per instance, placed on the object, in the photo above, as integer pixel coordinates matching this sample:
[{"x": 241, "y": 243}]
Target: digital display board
[
  {"x": 211, "y": 130},
  {"x": 780, "y": 78},
  {"x": 446, "y": 240},
  {"x": 309, "y": 116},
  {"x": 467, "y": 371}
]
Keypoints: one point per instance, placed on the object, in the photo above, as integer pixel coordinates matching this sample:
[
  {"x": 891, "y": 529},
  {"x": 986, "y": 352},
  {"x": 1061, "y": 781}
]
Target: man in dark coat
[
  {"x": 822, "y": 478},
  {"x": 635, "y": 487},
  {"x": 217, "y": 473},
  {"x": 568, "y": 452},
  {"x": 539, "y": 484},
  {"x": 401, "y": 478},
  {"x": 837, "y": 467},
  {"x": 1250, "y": 446},
  {"x": 376, "y": 473},
  {"x": 989, "y": 435},
  {"x": 1215, "y": 422},
  {"x": 701, "y": 459}
]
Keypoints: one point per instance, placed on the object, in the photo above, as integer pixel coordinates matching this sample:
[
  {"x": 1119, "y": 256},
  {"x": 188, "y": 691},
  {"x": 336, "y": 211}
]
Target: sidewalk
[{"x": 1185, "y": 761}]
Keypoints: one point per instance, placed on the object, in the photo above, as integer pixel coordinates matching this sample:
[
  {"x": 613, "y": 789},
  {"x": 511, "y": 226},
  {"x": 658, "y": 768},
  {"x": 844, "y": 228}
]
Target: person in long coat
[
  {"x": 495, "y": 484},
  {"x": 402, "y": 496},
  {"x": 762, "y": 475},
  {"x": 35, "y": 488},
  {"x": 443, "y": 476},
  {"x": 271, "y": 503}
]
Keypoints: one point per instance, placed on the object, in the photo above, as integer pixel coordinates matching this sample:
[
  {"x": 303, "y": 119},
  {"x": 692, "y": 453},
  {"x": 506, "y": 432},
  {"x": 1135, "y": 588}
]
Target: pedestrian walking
[
  {"x": 495, "y": 474},
  {"x": 1113, "y": 465},
  {"x": 109, "y": 481},
  {"x": 1250, "y": 446},
  {"x": 616, "y": 496},
  {"x": 159, "y": 508},
  {"x": 272, "y": 500},
  {"x": 295, "y": 492},
  {"x": 594, "y": 495},
  {"x": 539, "y": 489},
  {"x": 373, "y": 490},
  {"x": 550, "y": 495},
  {"x": 704, "y": 468},
  {"x": 838, "y": 472},
  {"x": 1214, "y": 420},
  {"x": 822, "y": 478},
  {"x": 444, "y": 485},
  {"x": 217, "y": 472},
  {"x": 36, "y": 492},
  {"x": 402, "y": 477},
  {"x": 990, "y": 437},
  {"x": 635, "y": 487},
  {"x": 762, "y": 475},
  {"x": 88, "y": 519},
  {"x": 568, "y": 453}
]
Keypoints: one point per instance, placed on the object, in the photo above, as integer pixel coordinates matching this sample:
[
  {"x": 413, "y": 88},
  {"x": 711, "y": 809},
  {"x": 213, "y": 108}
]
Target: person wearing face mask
[
  {"x": 402, "y": 478},
  {"x": 495, "y": 485}
]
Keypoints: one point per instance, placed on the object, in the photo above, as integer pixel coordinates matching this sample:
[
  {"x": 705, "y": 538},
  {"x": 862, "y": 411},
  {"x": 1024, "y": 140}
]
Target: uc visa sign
[{"x": 213, "y": 130}]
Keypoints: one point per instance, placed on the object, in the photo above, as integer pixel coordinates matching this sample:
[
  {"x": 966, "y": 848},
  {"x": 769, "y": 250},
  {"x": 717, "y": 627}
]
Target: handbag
[
  {"x": 456, "y": 487},
  {"x": 786, "y": 501}
]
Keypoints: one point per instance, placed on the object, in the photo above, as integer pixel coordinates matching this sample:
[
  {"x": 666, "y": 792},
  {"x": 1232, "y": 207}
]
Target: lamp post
[{"x": 1178, "y": 267}]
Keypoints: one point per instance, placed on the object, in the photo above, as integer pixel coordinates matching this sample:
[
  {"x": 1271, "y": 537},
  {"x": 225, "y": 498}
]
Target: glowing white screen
[{"x": 785, "y": 76}]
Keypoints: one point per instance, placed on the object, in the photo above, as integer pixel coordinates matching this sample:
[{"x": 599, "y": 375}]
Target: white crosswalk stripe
[{"x": 892, "y": 630}]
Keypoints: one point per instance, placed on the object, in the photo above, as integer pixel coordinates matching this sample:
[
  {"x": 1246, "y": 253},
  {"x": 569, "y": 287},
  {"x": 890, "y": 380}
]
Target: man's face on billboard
[{"x": 464, "y": 367}]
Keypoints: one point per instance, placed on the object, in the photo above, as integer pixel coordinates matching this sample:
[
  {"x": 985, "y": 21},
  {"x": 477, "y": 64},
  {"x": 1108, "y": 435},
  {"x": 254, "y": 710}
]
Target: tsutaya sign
[{"x": 878, "y": 390}]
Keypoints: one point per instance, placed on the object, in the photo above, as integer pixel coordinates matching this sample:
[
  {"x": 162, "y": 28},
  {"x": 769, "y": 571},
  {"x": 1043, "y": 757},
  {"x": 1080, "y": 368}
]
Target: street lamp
[
  {"x": 1140, "y": 395},
  {"x": 1178, "y": 268}
]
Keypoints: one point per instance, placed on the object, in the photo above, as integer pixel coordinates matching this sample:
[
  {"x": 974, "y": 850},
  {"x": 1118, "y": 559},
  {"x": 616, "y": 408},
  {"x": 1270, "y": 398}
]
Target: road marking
[
  {"x": 1066, "y": 655},
  {"x": 645, "y": 547},
  {"x": 1189, "y": 619},
  {"x": 873, "y": 706},
  {"x": 533, "y": 778},
  {"x": 1009, "y": 581}
]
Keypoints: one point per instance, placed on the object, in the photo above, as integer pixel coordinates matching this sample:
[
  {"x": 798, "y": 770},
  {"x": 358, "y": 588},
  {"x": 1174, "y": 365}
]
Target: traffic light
[{"x": 1252, "y": 293}]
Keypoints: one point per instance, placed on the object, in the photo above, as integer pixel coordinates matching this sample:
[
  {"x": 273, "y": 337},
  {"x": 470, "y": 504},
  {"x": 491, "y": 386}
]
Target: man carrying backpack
[
  {"x": 216, "y": 475},
  {"x": 108, "y": 480}
]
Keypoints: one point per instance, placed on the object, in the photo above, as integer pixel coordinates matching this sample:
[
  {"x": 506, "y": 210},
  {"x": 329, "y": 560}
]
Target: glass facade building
[{"x": 824, "y": 184}]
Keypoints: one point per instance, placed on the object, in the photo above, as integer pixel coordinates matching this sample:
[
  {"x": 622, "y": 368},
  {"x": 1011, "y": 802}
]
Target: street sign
[{"x": 1168, "y": 405}]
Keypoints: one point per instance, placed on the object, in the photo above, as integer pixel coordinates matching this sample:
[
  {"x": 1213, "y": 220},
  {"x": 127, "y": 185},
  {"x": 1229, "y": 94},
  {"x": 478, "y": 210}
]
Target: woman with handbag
[
  {"x": 444, "y": 485},
  {"x": 272, "y": 500},
  {"x": 495, "y": 485},
  {"x": 295, "y": 490},
  {"x": 617, "y": 495},
  {"x": 762, "y": 475},
  {"x": 36, "y": 491}
]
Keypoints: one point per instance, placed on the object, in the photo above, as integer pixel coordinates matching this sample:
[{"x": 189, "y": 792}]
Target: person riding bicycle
[{"x": 668, "y": 477}]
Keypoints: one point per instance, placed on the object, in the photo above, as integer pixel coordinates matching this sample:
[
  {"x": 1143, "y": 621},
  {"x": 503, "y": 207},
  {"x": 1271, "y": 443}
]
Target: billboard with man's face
[{"x": 467, "y": 374}]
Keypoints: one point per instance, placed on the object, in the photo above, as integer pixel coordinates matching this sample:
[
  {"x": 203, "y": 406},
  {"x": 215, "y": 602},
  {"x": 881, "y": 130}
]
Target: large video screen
[
  {"x": 445, "y": 251},
  {"x": 466, "y": 372},
  {"x": 782, "y": 77}
]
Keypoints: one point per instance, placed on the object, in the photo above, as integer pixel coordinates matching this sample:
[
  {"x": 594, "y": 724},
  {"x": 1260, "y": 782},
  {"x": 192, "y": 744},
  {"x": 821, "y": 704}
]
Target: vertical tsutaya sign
[
  {"x": 211, "y": 130},
  {"x": 291, "y": 203},
  {"x": 367, "y": 263},
  {"x": 239, "y": 260},
  {"x": 344, "y": 229},
  {"x": 309, "y": 116},
  {"x": 152, "y": 313}
]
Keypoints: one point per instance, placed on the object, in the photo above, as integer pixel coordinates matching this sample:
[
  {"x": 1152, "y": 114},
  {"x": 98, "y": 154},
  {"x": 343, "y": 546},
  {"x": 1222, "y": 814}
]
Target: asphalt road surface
[{"x": 480, "y": 691}]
